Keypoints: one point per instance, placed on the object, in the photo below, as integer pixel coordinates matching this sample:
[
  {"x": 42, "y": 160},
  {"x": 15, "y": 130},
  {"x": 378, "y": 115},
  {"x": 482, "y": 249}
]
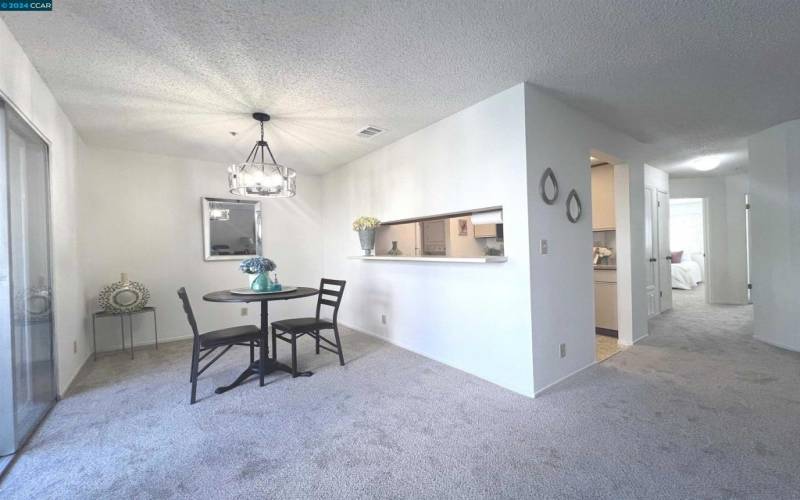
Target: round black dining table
[{"x": 270, "y": 365}]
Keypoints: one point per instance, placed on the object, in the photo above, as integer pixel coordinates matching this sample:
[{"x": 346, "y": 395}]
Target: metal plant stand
[{"x": 107, "y": 314}]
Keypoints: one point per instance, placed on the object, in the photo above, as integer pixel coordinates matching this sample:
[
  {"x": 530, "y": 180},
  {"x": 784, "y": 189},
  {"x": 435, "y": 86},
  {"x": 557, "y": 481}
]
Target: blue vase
[{"x": 262, "y": 283}]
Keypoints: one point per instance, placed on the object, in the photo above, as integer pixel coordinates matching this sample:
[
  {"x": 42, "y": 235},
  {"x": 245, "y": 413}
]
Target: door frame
[
  {"x": 748, "y": 229},
  {"x": 664, "y": 256},
  {"x": 706, "y": 252},
  {"x": 704, "y": 202},
  {"x": 650, "y": 202},
  {"x": 625, "y": 197}
]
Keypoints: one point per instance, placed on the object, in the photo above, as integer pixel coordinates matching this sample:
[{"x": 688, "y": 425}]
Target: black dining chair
[
  {"x": 289, "y": 330},
  {"x": 206, "y": 343}
]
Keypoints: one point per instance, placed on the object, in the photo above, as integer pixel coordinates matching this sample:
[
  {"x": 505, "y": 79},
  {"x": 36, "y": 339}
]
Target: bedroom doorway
[{"x": 689, "y": 251}]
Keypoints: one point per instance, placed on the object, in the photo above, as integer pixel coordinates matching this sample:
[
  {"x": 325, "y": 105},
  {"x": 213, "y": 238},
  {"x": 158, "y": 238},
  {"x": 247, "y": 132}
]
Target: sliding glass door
[{"x": 27, "y": 382}]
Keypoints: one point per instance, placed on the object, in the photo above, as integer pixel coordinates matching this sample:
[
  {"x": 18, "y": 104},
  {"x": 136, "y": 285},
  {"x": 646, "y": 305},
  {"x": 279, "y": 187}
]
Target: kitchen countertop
[
  {"x": 489, "y": 259},
  {"x": 605, "y": 267}
]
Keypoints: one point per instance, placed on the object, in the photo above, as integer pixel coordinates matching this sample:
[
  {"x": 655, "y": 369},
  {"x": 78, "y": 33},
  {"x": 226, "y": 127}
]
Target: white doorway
[
  {"x": 689, "y": 249},
  {"x": 604, "y": 258}
]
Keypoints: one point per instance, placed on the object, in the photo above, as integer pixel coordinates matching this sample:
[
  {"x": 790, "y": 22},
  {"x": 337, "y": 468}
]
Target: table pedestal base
[{"x": 252, "y": 370}]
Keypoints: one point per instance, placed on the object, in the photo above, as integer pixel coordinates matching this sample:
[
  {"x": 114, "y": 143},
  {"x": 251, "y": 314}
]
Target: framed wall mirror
[{"x": 231, "y": 229}]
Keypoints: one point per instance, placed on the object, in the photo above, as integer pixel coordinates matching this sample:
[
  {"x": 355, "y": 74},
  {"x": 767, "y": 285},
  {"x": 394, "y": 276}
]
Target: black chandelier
[{"x": 260, "y": 175}]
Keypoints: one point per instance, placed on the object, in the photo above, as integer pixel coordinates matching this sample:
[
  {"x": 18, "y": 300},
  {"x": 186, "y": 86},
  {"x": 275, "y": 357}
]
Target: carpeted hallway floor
[{"x": 697, "y": 410}]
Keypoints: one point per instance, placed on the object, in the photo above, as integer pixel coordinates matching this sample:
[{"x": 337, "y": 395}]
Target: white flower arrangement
[
  {"x": 603, "y": 252},
  {"x": 364, "y": 223}
]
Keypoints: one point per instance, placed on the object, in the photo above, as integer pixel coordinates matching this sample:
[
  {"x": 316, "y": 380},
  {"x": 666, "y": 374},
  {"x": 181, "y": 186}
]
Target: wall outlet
[
  {"x": 383, "y": 319},
  {"x": 74, "y": 347},
  {"x": 562, "y": 350},
  {"x": 543, "y": 247},
  {"x": 245, "y": 311}
]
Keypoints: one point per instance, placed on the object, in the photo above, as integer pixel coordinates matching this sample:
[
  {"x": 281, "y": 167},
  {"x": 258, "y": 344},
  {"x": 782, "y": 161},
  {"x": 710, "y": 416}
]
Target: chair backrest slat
[
  {"x": 335, "y": 288},
  {"x": 187, "y": 307}
]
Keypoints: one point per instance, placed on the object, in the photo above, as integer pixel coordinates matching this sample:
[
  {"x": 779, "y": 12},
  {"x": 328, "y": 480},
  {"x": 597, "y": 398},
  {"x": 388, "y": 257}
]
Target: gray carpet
[{"x": 697, "y": 410}]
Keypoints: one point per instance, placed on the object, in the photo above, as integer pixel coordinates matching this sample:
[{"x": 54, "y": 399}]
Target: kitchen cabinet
[
  {"x": 603, "y": 211},
  {"x": 488, "y": 230},
  {"x": 605, "y": 299}
]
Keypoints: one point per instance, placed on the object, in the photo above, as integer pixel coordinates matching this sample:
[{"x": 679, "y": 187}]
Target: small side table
[{"x": 106, "y": 314}]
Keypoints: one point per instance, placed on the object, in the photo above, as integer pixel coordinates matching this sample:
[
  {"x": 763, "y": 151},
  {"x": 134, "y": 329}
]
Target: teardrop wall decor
[
  {"x": 573, "y": 196},
  {"x": 548, "y": 174}
]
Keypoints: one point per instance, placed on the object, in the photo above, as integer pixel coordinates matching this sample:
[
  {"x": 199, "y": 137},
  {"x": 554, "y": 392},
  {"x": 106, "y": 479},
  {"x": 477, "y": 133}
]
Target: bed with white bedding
[{"x": 686, "y": 275}]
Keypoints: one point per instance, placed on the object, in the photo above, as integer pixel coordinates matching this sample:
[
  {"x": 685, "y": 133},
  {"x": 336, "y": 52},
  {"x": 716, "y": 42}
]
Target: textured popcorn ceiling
[{"x": 176, "y": 77}]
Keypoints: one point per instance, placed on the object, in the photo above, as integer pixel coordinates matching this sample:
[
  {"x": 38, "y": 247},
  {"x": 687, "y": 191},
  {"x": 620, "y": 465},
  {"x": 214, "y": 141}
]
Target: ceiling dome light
[
  {"x": 705, "y": 163},
  {"x": 264, "y": 178}
]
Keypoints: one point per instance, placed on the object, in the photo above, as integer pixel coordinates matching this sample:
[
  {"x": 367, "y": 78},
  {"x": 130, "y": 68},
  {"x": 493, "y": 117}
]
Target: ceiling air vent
[{"x": 369, "y": 132}]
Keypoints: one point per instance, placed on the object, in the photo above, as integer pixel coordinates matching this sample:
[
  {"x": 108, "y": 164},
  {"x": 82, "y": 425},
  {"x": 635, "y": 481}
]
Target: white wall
[
  {"x": 22, "y": 86},
  {"x": 473, "y": 317},
  {"x": 480, "y": 318},
  {"x": 727, "y": 262},
  {"x": 656, "y": 179},
  {"x": 775, "y": 234},
  {"x": 562, "y": 298},
  {"x": 142, "y": 215}
]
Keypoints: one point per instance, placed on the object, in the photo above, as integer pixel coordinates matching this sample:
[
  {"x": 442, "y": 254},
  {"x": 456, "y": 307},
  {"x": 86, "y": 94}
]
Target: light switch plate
[
  {"x": 562, "y": 350},
  {"x": 543, "y": 247}
]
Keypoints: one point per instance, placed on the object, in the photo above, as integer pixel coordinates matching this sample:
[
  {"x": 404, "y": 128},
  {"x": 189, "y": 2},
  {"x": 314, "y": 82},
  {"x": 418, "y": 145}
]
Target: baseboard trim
[
  {"x": 401, "y": 346},
  {"x": 150, "y": 343},
  {"x": 776, "y": 344},
  {"x": 562, "y": 379},
  {"x": 606, "y": 332},
  {"x": 625, "y": 344},
  {"x": 90, "y": 357},
  {"x": 71, "y": 382}
]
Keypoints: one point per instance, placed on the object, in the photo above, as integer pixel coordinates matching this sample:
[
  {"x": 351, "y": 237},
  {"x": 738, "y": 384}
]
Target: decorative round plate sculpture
[
  {"x": 124, "y": 296},
  {"x": 573, "y": 196},
  {"x": 35, "y": 304},
  {"x": 548, "y": 175}
]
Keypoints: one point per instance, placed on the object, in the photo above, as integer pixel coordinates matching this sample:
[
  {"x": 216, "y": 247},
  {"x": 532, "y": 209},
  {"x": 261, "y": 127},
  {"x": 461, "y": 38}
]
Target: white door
[
  {"x": 664, "y": 254},
  {"x": 650, "y": 253}
]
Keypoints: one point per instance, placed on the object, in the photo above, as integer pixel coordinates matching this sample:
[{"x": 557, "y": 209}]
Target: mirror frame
[
  {"x": 206, "y": 205},
  {"x": 548, "y": 174},
  {"x": 573, "y": 195}
]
